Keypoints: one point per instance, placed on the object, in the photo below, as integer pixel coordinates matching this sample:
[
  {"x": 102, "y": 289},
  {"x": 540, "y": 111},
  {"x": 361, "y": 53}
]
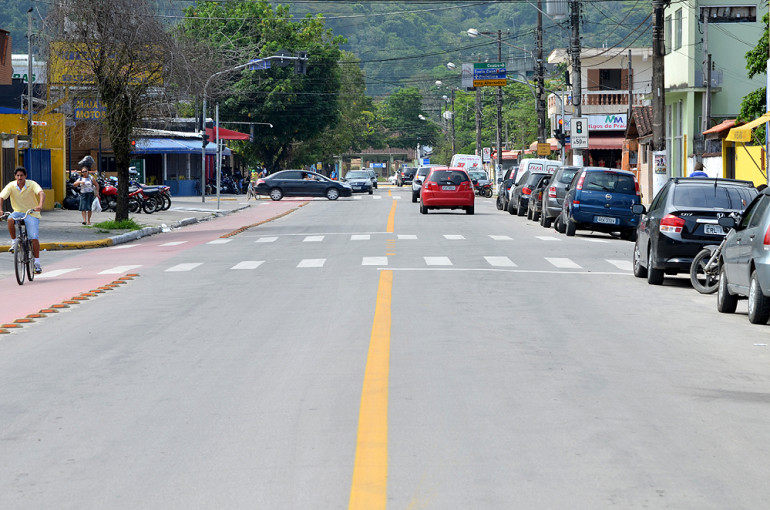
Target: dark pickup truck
[{"x": 405, "y": 175}]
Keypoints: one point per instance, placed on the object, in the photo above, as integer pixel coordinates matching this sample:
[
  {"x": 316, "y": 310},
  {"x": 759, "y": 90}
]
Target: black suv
[
  {"x": 405, "y": 175},
  {"x": 682, "y": 219},
  {"x": 520, "y": 194}
]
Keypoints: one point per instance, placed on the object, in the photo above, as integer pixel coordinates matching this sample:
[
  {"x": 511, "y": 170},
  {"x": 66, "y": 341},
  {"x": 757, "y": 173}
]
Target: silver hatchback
[{"x": 745, "y": 261}]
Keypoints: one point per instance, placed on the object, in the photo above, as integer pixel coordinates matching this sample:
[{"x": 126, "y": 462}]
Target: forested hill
[{"x": 409, "y": 43}]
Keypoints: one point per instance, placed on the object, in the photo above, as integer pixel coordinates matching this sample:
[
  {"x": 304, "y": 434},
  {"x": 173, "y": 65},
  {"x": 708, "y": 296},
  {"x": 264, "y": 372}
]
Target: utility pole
[
  {"x": 658, "y": 78},
  {"x": 577, "y": 93},
  {"x": 478, "y": 117},
  {"x": 454, "y": 151},
  {"x": 540, "y": 103},
  {"x": 706, "y": 76},
  {"x": 29, "y": 80},
  {"x": 499, "y": 160},
  {"x": 630, "y": 89}
]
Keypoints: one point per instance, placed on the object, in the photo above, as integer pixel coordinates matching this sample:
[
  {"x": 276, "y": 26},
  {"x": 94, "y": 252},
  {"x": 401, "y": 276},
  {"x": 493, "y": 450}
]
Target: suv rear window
[
  {"x": 448, "y": 177},
  {"x": 609, "y": 181},
  {"x": 708, "y": 195},
  {"x": 565, "y": 177}
]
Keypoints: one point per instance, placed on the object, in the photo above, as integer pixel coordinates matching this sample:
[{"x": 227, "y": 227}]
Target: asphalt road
[{"x": 357, "y": 354}]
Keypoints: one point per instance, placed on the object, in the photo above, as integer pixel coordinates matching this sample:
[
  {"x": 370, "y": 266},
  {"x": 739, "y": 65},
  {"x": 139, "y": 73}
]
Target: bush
[{"x": 119, "y": 225}]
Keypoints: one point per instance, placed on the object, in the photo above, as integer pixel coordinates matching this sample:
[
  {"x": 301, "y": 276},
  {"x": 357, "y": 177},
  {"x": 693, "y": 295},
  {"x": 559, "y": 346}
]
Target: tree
[
  {"x": 405, "y": 120},
  {"x": 299, "y": 107},
  {"x": 119, "y": 51},
  {"x": 754, "y": 104}
]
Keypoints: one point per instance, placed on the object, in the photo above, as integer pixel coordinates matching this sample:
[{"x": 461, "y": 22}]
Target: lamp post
[{"x": 450, "y": 100}]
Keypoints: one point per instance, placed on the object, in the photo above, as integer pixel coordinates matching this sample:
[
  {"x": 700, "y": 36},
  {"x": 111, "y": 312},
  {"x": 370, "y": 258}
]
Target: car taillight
[
  {"x": 430, "y": 185},
  {"x": 672, "y": 224},
  {"x": 636, "y": 186},
  {"x": 767, "y": 238},
  {"x": 552, "y": 192},
  {"x": 260, "y": 181},
  {"x": 526, "y": 190},
  {"x": 580, "y": 181}
]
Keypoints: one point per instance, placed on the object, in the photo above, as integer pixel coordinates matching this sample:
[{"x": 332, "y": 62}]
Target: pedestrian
[
  {"x": 698, "y": 170},
  {"x": 87, "y": 186},
  {"x": 25, "y": 194}
]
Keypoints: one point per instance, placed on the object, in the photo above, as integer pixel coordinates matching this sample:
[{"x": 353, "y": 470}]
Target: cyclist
[{"x": 25, "y": 194}]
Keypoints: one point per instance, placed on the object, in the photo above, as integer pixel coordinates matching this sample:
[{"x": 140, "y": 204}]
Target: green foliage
[
  {"x": 756, "y": 58},
  {"x": 754, "y": 104},
  {"x": 118, "y": 225},
  {"x": 402, "y": 113}
]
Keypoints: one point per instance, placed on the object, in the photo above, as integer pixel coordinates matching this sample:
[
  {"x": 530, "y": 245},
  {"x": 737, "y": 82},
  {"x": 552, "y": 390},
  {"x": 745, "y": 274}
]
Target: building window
[
  {"x": 667, "y": 35},
  {"x": 678, "y": 29},
  {"x": 731, "y": 14}
]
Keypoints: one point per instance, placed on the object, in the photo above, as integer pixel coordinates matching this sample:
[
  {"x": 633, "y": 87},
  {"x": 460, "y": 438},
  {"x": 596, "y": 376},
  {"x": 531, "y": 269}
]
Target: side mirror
[
  {"x": 638, "y": 209},
  {"x": 727, "y": 222},
  {"x": 568, "y": 187}
]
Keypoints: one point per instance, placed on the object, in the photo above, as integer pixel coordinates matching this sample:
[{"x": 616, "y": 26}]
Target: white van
[
  {"x": 548, "y": 166},
  {"x": 468, "y": 162}
]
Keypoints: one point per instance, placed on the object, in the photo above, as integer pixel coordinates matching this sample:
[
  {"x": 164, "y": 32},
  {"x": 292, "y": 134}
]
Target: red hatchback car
[{"x": 447, "y": 188}]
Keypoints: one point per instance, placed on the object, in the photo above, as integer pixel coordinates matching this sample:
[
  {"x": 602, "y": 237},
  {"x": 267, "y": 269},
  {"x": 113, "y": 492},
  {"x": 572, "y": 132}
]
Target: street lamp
[{"x": 452, "y": 101}]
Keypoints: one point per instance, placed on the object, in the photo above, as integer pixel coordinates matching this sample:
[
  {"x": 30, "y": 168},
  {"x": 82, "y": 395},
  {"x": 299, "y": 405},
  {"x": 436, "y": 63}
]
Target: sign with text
[
  {"x": 579, "y": 132},
  {"x": 543, "y": 149},
  {"x": 486, "y": 154},
  {"x": 489, "y": 74}
]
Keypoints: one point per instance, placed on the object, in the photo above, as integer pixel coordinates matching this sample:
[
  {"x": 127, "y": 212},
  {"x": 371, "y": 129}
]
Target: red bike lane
[{"x": 84, "y": 268}]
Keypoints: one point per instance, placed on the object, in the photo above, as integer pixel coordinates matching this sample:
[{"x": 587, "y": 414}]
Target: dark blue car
[{"x": 600, "y": 199}]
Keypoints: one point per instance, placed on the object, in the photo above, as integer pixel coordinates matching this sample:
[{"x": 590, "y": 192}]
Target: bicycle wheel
[
  {"x": 19, "y": 262},
  {"x": 30, "y": 258}
]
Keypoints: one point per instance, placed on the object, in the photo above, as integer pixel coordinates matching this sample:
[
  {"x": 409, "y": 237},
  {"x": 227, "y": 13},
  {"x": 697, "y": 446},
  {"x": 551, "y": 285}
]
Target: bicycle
[
  {"x": 251, "y": 192},
  {"x": 23, "y": 260}
]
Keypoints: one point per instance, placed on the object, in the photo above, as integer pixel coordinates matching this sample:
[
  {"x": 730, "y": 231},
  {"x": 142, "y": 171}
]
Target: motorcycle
[
  {"x": 72, "y": 198},
  {"x": 704, "y": 270},
  {"x": 108, "y": 195},
  {"x": 139, "y": 201},
  {"x": 484, "y": 190}
]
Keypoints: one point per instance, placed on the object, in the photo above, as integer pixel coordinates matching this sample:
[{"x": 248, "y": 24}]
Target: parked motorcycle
[
  {"x": 108, "y": 195},
  {"x": 484, "y": 190},
  {"x": 72, "y": 198}
]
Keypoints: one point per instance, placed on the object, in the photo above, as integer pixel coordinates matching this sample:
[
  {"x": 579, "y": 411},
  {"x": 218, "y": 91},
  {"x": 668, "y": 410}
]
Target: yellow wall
[
  {"x": 748, "y": 162},
  {"x": 52, "y": 136}
]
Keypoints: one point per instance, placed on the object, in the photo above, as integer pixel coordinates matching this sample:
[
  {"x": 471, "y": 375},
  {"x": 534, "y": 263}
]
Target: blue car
[{"x": 600, "y": 199}]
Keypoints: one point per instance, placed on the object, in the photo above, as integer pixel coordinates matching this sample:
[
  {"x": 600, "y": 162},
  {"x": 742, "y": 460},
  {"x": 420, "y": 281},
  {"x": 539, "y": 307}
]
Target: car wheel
[
  {"x": 470, "y": 210},
  {"x": 545, "y": 221},
  {"x": 511, "y": 209},
  {"x": 415, "y": 196},
  {"x": 499, "y": 203},
  {"x": 639, "y": 270},
  {"x": 276, "y": 194},
  {"x": 332, "y": 194},
  {"x": 536, "y": 216},
  {"x": 371, "y": 191},
  {"x": 631, "y": 234},
  {"x": 529, "y": 213},
  {"x": 520, "y": 211},
  {"x": 558, "y": 224},
  {"x": 423, "y": 209},
  {"x": 571, "y": 227},
  {"x": 759, "y": 304},
  {"x": 726, "y": 302},
  {"x": 654, "y": 276}
]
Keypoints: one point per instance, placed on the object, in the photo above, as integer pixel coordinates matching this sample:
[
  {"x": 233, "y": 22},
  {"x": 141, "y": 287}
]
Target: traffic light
[
  {"x": 558, "y": 132},
  {"x": 300, "y": 64}
]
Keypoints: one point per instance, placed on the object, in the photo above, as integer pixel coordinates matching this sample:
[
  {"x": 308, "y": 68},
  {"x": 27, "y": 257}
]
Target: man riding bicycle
[{"x": 25, "y": 194}]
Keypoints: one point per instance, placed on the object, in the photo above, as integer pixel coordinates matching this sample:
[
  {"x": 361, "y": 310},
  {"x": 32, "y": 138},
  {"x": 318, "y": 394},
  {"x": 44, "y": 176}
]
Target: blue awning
[{"x": 174, "y": 146}]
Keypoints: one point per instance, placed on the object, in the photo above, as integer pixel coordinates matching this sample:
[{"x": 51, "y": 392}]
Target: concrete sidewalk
[{"x": 62, "y": 229}]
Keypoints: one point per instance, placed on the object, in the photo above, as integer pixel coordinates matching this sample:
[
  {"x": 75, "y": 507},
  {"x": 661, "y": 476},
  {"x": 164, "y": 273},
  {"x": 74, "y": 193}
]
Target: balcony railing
[{"x": 603, "y": 98}]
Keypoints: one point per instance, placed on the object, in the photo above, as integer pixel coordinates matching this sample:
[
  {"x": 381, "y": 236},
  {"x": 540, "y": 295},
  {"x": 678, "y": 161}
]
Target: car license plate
[
  {"x": 713, "y": 229},
  {"x": 605, "y": 220},
  {"x": 448, "y": 188}
]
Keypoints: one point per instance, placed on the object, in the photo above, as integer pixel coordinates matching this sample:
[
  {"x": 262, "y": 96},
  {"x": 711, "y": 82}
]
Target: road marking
[
  {"x": 562, "y": 263},
  {"x": 501, "y": 238},
  {"x": 625, "y": 265},
  {"x": 266, "y": 240},
  {"x": 548, "y": 238},
  {"x": 391, "y": 216},
  {"x": 594, "y": 240},
  {"x": 406, "y": 237},
  {"x": 453, "y": 237},
  {"x": 248, "y": 264},
  {"x": 125, "y": 246},
  {"x": 368, "y": 490},
  {"x": 396, "y": 197},
  {"x": 56, "y": 272},
  {"x": 183, "y": 267},
  {"x": 174, "y": 243},
  {"x": 313, "y": 239},
  {"x": 500, "y": 261},
  {"x": 312, "y": 263},
  {"x": 354, "y": 198},
  {"x": 374, "y": 261},
  {"x": 219, "y": 241},
  {"x": 438, "y": 261},
  {"x": 377, "y": 197},
  {"x": 360, "y": 237},
  {"x": 119, "y": 269}
]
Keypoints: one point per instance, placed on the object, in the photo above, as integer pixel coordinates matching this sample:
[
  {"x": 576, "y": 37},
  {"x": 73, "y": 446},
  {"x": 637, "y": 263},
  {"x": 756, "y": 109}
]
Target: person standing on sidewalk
[
  {"x": 87, "y": 186},
  {"x": 25, "y": 194}
]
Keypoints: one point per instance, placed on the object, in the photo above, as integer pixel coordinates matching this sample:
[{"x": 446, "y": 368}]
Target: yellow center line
[
  {"x": 370, "y": 473},
  {"x": 391, "y": 216}
]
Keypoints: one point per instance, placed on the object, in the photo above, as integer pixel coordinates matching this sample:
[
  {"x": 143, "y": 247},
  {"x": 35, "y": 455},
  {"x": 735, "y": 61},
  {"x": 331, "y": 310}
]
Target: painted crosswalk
[
  {"x": 183, "y": 267},
  {"x": 498, "y": 261},
  {"x": 563, "y": 263}
]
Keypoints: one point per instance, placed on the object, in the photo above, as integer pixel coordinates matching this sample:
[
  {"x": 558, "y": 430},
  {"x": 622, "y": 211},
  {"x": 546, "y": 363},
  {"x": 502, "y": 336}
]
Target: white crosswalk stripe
[
  {"x": 501, "y": 238},
  {"x": 360, "y": 237},
  {"x": 395, "y": 197},
  {"x": 184, "y": 267},
  {"x": 438, "y": 261},
  {"x": 266, "y": 240},
  {"x": 174, "y": 243},
  {"x": 119, "y": 269},
  {"x": 124, "y": 246},
  {"x": 248, "y": 264},
  {"x": 454, "y": 237},
  {"x": 406, "y": 237},
  {"x": 500, "y": 262},
  {"x": 562, "y": 263},
  {"x": 624, "y": 265},
  {"x": 313, "y": 239},
  {"x": 354, "y": 198},
  {"x": 548, "y": 238},
  {"x": 588, "y": 239},
  {"x": 376, "y": 197},
  {"x": 312, "y": 263},
  {"x": 219, "y": 241},
  {"x": 56, "y": 272},
  {"x": 374, "y": 261}
]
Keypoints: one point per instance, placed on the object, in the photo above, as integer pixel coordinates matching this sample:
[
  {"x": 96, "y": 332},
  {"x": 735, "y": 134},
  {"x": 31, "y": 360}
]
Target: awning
[
  {"x": 174, "y": 146},
  {"x": 226, "y": 134},
  {"x": 552, "y": 141},
  {"x": 743, "y": 133},
  {"x": 606, "y": 141},
  {"x": 725, "y": 125}
]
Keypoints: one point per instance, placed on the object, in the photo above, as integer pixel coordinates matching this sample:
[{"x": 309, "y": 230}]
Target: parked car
[
  {"x": 301, "y": 183},
  {"x": 360, "y": 181},
  {"x": 419, "y": 177},
  {"x": 447, "y": 188},
  {"x": 468, "y": 162},
  {"x": 553, "y": 198},
  {"x": 405, "y": 175},
  {"x": 600, "y": 199},
  {"x": 535, "y": 202},
  {"x": 519, "y": 199},
  {"x": 503, "y": 192},
  {"x": 373, "y": 175},
  {"x": 682, "y": 219},
  {"x": 392, "y": 178},
  {"x": 745, "y": 263}
]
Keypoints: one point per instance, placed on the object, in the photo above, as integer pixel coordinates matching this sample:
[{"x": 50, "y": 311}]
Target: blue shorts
[{"x": 31, "y": 222}]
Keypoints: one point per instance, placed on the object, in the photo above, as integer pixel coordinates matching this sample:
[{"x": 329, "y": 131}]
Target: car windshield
[
  {"x": 609, "y": 181},
  {"x": 357, "y": 175},
  {"x": 448, "y": 177},
  {"x": 567, "y": 175},
  {"x": 478, "y": 175},
  {"x": 423, "y": 171},
  {"x": 708, "y": 195}
]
